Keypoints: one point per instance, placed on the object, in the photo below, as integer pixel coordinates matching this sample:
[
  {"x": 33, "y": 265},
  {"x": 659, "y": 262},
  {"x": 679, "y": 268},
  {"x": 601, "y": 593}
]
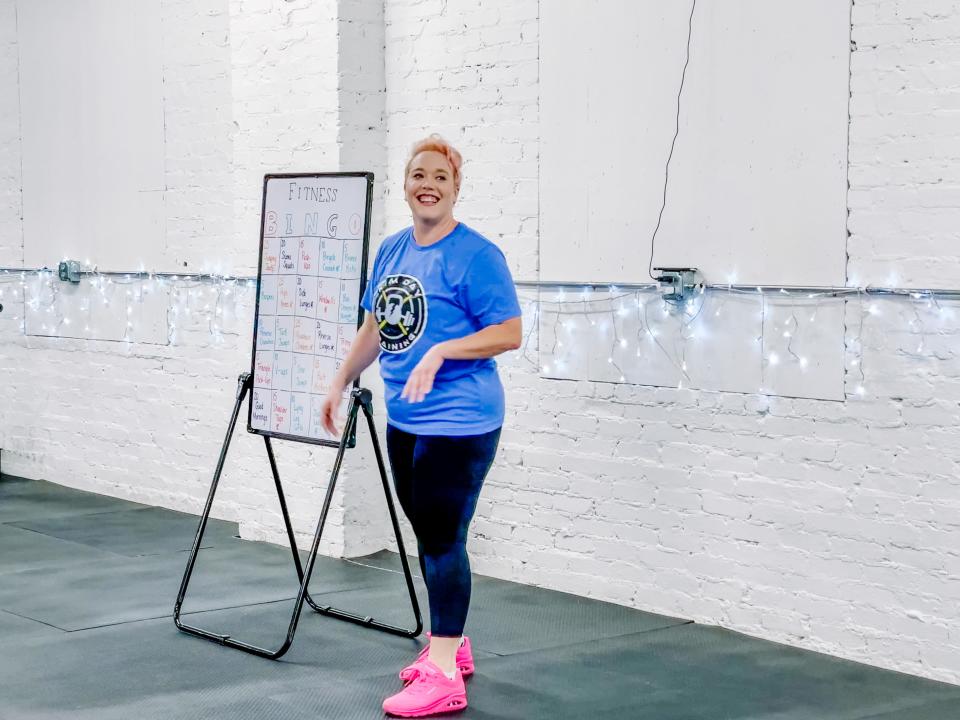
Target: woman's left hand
[{"x": 420, "y": 381}]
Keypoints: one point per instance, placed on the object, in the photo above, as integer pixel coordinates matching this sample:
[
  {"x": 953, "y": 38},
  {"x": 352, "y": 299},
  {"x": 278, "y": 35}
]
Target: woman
[{"x": 440, "y": 305}]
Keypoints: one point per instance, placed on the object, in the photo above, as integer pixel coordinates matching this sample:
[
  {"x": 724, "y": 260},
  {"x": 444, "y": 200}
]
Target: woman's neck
[{"x": 429, "y": 233}]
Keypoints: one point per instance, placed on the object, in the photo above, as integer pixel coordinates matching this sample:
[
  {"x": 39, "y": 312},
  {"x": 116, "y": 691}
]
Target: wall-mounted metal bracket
[{"x": 69, "y": 271}]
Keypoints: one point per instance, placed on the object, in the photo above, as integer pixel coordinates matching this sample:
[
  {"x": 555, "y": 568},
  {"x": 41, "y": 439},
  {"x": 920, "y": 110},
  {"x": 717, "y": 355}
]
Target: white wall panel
[
  {"x": 91, "y": 89},
  {"x": 757, "y": 190}
]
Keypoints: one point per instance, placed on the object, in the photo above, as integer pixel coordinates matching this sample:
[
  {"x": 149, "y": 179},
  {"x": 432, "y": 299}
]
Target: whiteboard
[
  {"x": 757, "y": 188},
  {"x": 314, "y": 238}
]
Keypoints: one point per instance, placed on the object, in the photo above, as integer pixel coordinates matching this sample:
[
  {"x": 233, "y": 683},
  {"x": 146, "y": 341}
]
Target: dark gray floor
[{"x": 87, "y": 585}]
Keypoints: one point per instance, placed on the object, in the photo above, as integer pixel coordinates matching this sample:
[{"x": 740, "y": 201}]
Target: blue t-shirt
[{"x": 424, "y": 295}]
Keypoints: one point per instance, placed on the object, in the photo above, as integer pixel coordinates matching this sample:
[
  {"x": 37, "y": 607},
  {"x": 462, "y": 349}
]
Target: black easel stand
[{"x": 360, "y": 397}]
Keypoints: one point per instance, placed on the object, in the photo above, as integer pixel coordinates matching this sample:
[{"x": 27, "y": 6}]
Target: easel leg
[
  {"x": 286, "y": 518},
  {"x": 359, "y": 398},
  {"x": 362, "y": 397},
  {"x": 368, "y": 411},
  {"x": 243, "y": 386}
]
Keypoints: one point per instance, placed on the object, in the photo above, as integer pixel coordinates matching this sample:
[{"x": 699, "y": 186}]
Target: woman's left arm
[{"x": 489, "y": 342}]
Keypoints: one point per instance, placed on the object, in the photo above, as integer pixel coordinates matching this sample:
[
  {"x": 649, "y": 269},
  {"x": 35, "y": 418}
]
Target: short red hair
[{"x": 435, "y": 143}]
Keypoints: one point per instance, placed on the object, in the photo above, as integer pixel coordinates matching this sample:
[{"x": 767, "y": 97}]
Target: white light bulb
[
  {"x": 773, "y": 358},
  {"x": 623, "y": 343}
]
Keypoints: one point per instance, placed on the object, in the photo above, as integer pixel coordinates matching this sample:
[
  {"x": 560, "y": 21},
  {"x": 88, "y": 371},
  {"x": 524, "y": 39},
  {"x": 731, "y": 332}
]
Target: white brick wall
[
  {"x": 905, "y": 143},
  {"x": 826, "y": 525},
  {"x": 197, "y": 135}
]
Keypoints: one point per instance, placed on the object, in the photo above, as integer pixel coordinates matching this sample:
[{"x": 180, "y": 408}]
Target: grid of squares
[{"x": 306, "y": 324}]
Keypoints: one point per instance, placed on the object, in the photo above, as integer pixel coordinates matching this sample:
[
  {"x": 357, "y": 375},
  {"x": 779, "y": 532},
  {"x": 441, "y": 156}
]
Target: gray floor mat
[
  {"x": 148, "y": 663},
  {"x": 540, "y": 654},
  {"x": 515, "y": 618},
  {"x": 24, "y": 549},
  {"x": 702, "y": 673},
  {"x": 14, "y": 627},
  {"x": 22, "y": 499},
  {"x": 942, "y": 710},
  {"x": 326, "y": 643},
  {"x": 77, "y": 596},
  {"x": 145, "y": 531}
]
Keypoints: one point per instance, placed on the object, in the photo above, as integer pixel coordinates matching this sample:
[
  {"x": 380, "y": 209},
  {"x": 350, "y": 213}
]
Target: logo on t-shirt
[{"x": 400, "y": 309}]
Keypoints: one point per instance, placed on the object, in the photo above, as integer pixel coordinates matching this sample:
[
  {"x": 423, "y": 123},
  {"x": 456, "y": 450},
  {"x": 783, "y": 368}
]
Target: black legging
[{"x": 438, "y": 479}]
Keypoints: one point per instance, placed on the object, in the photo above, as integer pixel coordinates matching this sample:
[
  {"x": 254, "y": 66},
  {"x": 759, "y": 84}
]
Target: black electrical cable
[{"x": 666, "y": 179}]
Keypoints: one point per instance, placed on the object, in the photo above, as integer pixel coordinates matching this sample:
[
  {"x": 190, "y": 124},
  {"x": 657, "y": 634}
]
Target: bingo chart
[{"x": 313, "y": 251}]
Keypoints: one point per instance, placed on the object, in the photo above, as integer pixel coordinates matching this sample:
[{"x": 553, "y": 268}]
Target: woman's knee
[{"x": 444, "y": 556}]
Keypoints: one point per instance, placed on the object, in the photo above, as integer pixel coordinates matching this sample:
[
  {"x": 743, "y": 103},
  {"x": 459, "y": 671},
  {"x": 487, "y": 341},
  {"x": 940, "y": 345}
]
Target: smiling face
[{"x": 429, "y": 187}]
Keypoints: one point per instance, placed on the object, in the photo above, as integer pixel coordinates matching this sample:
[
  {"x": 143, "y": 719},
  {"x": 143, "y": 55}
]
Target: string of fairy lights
[
  {"x": 189, "y": 296},
  {"x": 571, "y": 317},
  {"x": 626, "y": 322}
]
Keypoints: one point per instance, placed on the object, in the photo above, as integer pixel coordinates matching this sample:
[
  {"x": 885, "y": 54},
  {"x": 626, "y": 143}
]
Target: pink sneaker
[
  {"x": 429, "y": 693},
  {"x": 464, "y": 661}
]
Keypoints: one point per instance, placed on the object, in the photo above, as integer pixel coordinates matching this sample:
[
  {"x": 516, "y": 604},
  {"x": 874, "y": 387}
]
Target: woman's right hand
[{"x": 330, "y": 411}]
